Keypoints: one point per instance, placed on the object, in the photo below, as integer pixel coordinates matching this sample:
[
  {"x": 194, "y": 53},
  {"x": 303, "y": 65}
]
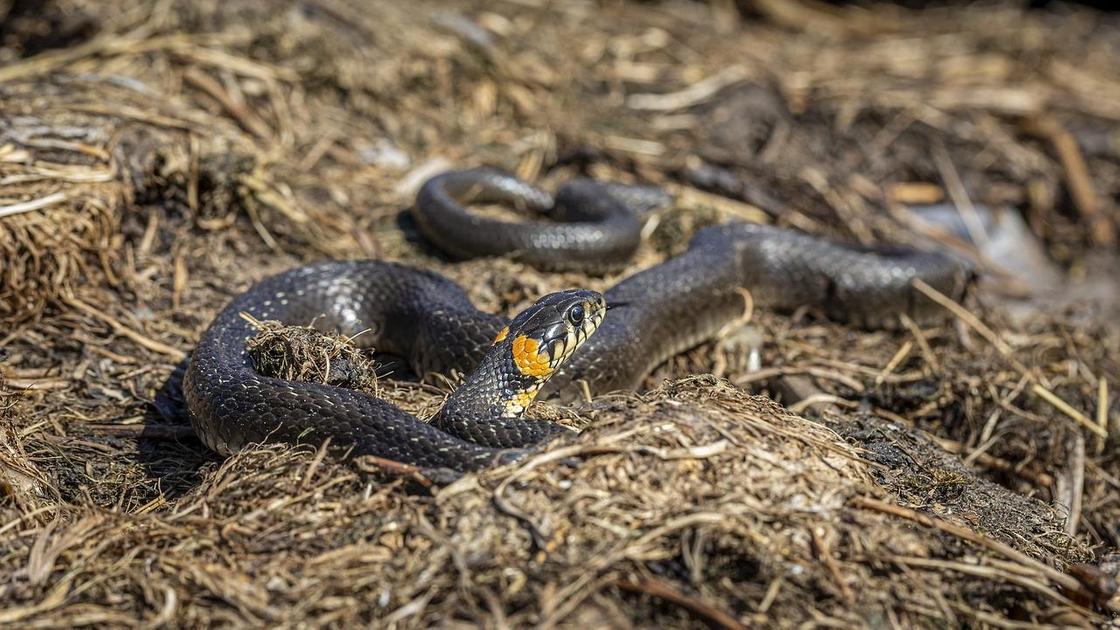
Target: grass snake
[{"x": 429, "y": 320}]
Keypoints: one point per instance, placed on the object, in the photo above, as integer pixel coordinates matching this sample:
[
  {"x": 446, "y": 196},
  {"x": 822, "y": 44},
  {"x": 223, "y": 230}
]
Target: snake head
[
  {"x": 524, "y": 355},
  {"x": 544, "y": 336}
]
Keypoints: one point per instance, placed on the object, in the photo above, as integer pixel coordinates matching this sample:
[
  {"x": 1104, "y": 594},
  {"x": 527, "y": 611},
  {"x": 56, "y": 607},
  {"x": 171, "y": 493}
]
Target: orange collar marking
[
  {"x": 520, "y": 402},
  {"x": 501, "y": 335},
  {"x": 529, "y": 360}
]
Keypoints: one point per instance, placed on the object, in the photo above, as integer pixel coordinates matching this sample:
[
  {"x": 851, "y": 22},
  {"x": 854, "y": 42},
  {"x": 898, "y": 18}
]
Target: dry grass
[
  {"x": 157, "y": 158},
  {"x": 724, "y": 500}
]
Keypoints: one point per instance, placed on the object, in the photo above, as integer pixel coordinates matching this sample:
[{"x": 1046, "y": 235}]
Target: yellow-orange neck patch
[
  {"x": 520, "y": 402},
  {"x": 502, "y": 335},
  {"x": 528, "y": 359}
]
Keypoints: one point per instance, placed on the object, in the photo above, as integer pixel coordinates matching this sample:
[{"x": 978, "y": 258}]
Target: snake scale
[{"x": 430, "y": 321}]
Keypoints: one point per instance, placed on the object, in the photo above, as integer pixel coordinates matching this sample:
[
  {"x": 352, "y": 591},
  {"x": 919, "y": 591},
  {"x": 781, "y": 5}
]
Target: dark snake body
[
  {"x": 406, "y": 311},
  {"x": 593, "y": 226},
  {"x": 430, "y": 320}
]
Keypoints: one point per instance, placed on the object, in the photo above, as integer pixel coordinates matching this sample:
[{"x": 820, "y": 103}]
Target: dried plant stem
[
  {"x": 990, "y": 335},
  {"x": 1057, "y": 577},
  {"x": 663, "y": 590}
]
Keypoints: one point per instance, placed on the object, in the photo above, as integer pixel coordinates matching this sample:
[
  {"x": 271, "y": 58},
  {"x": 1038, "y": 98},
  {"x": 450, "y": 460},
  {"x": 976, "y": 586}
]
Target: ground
[{"x": 157, "y": 158}]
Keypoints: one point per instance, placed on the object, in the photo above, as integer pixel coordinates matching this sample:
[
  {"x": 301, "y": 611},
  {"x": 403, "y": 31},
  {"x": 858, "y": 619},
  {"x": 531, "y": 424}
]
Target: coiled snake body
[{"x": 429, "y": 320}]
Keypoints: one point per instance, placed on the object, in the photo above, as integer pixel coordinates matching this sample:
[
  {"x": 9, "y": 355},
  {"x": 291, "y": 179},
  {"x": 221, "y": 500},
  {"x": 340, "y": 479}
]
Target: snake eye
[{"x": 575, "y": 315}]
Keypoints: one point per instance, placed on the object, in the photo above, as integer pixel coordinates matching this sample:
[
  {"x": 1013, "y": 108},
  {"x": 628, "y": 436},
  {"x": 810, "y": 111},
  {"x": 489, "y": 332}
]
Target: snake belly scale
[{"x": 430, "y": 321}]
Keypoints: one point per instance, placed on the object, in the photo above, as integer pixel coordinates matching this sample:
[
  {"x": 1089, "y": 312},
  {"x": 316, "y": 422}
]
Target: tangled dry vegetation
[{"x": 157, "y": 158}]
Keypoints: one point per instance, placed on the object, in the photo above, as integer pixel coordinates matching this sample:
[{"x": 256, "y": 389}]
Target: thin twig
[
  {"x": 34, "y": 204},
  {"x": 1102, "y": 410},
  {"x": 125, "y": 331},
  {"x": 896, "y": 360},
  {"x": 973, "y": 322},
  {"x": 1072, "y": 484},
  {"x": 958, "y": 194},
  {"x": 372, "y": 463},
  {"x": 1078, "y": 179},
  {"x": 1065, "y": 408},
  {"x": 1041, "y": 479},
  {"x": 663, "y": 590},
  {"x": 145, "y": 431},
  {"x": 242, "y": 114},
  {"x": 1067, "y": 582},
  {"x": 830, "y": 562},
  {"x": 990, "y": 335},
  {"x": 693, "y": 94},
  {"x": 769, "y": 373},
  {"x": 923, "y": 344},
  {"x": 982, "y": 571}
]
